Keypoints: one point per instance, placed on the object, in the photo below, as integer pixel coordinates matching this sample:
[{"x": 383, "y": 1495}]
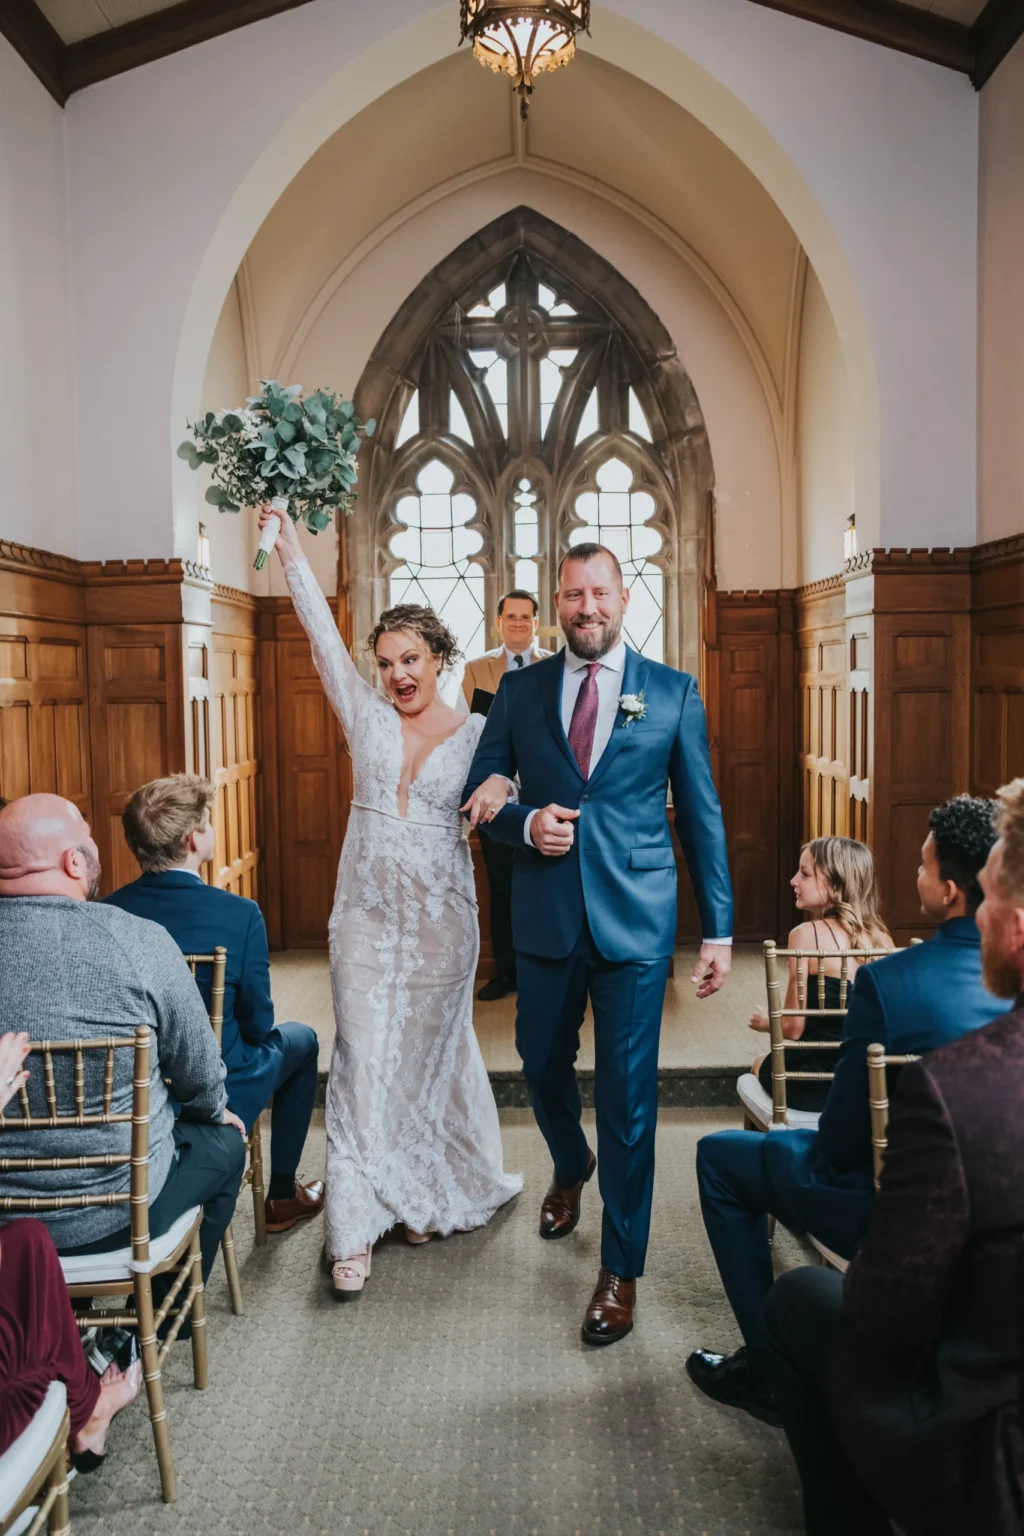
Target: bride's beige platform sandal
[
  {"x": 348, "y": 1276},
  {"x": 415, "y": 1238}
]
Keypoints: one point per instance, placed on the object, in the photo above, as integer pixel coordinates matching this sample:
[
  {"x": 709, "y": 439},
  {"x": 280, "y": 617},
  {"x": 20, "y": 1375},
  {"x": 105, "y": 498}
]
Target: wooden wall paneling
[
  {"x": 821, "y": 670},
  {"x": 312, "y": 787},
  {"x": 921, "y": 752},
  {"x": 749, "y": 753},
  {"x": 268, "y": 788},
  {"x": 234, "y": 741},
  {"x": 44, "y": 716},
  {"x": 997, "y": 665}
]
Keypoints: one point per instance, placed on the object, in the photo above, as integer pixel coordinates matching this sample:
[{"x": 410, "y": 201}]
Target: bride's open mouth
[{"x": 405, "y": 692}]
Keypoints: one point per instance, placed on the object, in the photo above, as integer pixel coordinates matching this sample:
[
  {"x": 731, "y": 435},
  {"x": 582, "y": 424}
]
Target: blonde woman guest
[
  {"x": 835, "y": 886},
  {"x": 412, "y": 1128}
]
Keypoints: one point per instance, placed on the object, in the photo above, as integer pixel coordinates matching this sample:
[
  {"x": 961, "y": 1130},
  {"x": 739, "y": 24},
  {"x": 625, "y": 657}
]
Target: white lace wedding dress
[{"x": 412, "y": 1127}]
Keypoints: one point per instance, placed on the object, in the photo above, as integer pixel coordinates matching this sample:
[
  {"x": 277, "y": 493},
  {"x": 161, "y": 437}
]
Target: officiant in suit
[
  {"x": 518, "y": 623},
  {"x": 596, "y": 735},
  {"x": 168, "y": 828}
]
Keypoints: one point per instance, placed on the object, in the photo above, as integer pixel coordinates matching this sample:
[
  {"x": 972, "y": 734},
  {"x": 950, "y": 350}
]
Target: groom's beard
[{"x": 595, "y": 641}]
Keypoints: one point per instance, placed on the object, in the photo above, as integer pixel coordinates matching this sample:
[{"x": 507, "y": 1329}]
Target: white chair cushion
[
  {"x": 758, "y": 1106},
  {"x": 95, "y": 1268},
  {"x": 21, "y": 1462}
]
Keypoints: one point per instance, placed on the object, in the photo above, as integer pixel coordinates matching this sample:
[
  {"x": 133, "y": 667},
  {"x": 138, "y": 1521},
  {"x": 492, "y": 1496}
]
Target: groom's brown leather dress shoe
[
  {"x": 560, "y": 1213},
  {"x": 307, "y": 1202},
  {"x": 610, "y": 1314}
]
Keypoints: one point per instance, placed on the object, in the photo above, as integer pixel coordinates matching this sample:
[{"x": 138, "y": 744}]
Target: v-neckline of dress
[{"x": 432, "y": 753}]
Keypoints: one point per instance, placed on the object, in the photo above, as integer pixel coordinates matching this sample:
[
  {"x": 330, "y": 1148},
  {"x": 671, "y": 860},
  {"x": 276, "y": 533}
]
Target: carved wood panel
[
  {"x": 234, "y": 743},
  {"x": 821, "y": 667},
  {"x": 997, "y": 665}
]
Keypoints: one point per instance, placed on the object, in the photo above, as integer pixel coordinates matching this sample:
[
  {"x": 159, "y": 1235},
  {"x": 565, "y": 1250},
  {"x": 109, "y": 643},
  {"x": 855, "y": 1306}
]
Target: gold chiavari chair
[
  {"x": 878, "y": 1099},
  {"x": 759, "y": 1112},
  {"x": 33, "y": 1471},
  {"x": 254, "y": 1164},
  {"x": 127, "y": 1274}
]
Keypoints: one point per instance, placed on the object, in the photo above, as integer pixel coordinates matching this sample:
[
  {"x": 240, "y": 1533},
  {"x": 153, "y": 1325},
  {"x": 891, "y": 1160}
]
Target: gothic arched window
[{"x": 543, "y": 406}]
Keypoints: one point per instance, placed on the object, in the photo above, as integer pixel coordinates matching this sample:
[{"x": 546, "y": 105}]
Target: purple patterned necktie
[{"x": 584, "y": 719}]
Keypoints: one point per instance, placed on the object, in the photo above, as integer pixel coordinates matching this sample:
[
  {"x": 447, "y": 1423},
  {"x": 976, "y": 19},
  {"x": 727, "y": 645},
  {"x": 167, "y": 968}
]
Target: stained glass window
[
  {"x": 436, "y": 549},
  {"x": 618, "y": 516}
]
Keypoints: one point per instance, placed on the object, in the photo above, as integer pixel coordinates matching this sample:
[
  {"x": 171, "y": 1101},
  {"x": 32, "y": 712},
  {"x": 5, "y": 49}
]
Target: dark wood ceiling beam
[
  {"x": 154, "y": 37},
  {"x": 902, "y": 27},
  {"x": 997, "y": 29},
  {"x": 27, "y": 30}
]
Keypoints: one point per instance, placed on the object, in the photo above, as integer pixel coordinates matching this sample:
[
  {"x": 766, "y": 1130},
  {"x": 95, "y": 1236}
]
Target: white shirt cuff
[
  {"x": 718, "y": 941},
  {"x": 527, "y": 839}
]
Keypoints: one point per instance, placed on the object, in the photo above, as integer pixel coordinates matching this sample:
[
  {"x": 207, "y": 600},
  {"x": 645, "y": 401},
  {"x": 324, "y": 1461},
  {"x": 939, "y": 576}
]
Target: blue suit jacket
[
  {"x": 199, "y": 917},
  {"x": 621, "y": 871},
  {"x": 911, "y": 1003}
]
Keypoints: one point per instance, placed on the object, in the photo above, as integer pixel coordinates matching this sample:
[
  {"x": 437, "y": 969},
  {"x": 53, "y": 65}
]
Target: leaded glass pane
[
  {"x": 589, "y": 422},
  {"x": 437, "y": 549},
  {"x": 410, "y": 422},
  {"x": 458, "y": 425},
  {"x": 617, "y": 517},
  {"x": 638, "y": 422}
]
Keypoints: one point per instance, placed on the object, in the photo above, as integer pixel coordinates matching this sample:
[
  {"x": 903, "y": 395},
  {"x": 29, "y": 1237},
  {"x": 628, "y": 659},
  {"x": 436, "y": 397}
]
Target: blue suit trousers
[
  {"x": 294, "y": 1097},
  {"x": 627, "y": 999}
]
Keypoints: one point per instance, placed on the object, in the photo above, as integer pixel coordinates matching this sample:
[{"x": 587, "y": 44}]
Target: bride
[{"x": 412, "y": 1127}]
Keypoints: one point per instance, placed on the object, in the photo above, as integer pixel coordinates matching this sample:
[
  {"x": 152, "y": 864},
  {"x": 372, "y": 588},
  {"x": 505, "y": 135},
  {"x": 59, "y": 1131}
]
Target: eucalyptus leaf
[
  {"x": 215, "y": 496},
  {"x": 285, "y": 432},
  {"x": 371, "y": 426}
]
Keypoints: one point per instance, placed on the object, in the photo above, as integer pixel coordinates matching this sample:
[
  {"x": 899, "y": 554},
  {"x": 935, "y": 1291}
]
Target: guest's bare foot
[{"x": 117, "y": 1390}]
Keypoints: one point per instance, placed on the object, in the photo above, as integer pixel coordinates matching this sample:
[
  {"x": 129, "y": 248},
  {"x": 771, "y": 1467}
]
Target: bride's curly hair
[{"x": 424, "y": 623}]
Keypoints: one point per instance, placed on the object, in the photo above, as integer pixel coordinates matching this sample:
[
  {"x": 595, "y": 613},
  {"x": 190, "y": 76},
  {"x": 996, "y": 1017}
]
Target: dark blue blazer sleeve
[
  {"x": 699, "y": 824},
  {"x": 495, "y": 753},
  {"x": 844, "y": 1131},
  {"x": 254, "y": 1008}
]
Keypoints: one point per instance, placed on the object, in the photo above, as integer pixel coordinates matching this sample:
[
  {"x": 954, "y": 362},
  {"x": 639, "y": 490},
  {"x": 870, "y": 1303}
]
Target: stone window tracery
[{"x": 543, "y": 406}]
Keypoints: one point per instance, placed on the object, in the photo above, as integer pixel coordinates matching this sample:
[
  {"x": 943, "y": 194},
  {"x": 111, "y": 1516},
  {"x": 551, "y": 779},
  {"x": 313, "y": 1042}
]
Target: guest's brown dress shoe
[
  {"x": 307, "y": 1201},
  {"x": 560, "y": 1213},
  {"x": 610, "y": 1314}
]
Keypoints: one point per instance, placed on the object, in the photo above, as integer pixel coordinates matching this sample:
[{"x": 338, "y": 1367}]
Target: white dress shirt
[{"x": 609, "y": 688}]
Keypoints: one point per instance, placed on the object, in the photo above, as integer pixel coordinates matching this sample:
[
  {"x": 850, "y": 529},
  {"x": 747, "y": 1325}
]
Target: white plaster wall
[
  {"x": 871, "y": 155},
  {"x": 824, "y": 441},
  {"x": 37, "y": 418},
  {"x": 226, "y": 385},
  {"x": 749, "y": 533},
  {"x": 1001, "y": 305}
]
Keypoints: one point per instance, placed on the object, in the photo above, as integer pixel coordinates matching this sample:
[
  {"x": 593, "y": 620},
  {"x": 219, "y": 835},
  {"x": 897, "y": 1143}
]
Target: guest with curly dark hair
[{"x": 822, "y": 1181}]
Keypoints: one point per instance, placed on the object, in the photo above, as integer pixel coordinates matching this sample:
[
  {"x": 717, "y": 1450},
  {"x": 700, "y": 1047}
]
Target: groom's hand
[
  {"x": 712, "y": 968},
  {"x": 551, "y": 830}
]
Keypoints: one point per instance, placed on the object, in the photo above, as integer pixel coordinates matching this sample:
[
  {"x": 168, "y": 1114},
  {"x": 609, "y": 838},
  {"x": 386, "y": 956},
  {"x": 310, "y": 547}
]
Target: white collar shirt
[{"x": 609, "y": 689}]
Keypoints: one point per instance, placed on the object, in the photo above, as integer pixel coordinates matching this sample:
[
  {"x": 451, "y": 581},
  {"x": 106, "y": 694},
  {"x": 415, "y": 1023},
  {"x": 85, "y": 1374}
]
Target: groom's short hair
[{"x": 588, "y": 552}]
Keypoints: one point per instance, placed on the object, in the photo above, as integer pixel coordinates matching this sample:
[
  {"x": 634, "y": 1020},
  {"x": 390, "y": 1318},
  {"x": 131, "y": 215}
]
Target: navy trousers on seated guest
[
  {"x": 627, "y": 999},
  {"x": 823, "y": 1181},
  {"x": 262, "y": 1059},
  {"x": 209, "y": 1161}
]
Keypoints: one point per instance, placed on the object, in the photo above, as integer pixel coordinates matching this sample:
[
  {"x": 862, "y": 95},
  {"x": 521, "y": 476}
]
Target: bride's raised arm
[{"x": 337, "y": 671}]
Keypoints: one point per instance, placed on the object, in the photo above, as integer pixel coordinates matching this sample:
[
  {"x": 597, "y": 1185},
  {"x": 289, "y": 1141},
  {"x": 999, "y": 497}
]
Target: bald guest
[
  {"x": 518, "y": 623},
  {"x": 72, "y": 969}
]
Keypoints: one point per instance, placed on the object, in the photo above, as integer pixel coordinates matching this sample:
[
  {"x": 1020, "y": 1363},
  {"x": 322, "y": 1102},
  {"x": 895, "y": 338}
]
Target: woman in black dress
[{"x": 835, "y": 887}]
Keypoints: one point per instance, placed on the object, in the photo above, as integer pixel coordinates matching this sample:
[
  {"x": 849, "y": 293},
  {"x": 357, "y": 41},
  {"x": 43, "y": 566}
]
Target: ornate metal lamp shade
[{"x": 524, "y": 40}]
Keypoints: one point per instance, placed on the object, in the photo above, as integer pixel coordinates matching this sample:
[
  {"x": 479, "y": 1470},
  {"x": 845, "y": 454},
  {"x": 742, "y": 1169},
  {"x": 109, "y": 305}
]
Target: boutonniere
[{"x": 633, "y": 706}]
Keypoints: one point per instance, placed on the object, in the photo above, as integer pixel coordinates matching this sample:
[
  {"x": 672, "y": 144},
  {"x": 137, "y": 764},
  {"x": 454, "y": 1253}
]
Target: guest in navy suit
[
  {"x": 822, "y": 1181},
  {"x": 597, "y": 735},
  {"x": 168, "y": 828},
  {"x": 900, "y": 1384}
]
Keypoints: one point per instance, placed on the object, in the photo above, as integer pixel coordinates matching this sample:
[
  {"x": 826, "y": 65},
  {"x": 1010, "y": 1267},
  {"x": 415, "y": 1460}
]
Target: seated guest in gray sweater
[{"x": 71, "y": 969}]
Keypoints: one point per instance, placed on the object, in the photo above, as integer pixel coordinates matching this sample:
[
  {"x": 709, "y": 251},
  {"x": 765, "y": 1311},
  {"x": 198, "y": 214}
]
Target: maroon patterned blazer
[{"x": 925, "y": 1379}]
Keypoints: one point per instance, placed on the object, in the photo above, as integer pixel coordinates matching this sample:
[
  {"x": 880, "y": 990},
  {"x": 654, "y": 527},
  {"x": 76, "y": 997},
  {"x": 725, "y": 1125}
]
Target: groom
[{"x": 596, "y": 735}]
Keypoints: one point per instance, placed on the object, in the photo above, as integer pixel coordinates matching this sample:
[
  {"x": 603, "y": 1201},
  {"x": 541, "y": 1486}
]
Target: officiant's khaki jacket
[{"x": 487, "y": 671}]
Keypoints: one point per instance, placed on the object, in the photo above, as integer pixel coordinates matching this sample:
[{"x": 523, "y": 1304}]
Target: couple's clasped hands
[{"x": 551, "y": 830}]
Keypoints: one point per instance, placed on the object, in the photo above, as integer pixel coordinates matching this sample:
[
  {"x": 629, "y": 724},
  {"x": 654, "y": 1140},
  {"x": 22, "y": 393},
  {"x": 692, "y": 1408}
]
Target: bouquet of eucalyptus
[{"x": 297, "y": 453}]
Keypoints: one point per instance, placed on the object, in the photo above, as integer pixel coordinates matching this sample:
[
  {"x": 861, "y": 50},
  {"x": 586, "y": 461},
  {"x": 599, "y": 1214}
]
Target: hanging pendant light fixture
[{"x": 523, "y": 40}]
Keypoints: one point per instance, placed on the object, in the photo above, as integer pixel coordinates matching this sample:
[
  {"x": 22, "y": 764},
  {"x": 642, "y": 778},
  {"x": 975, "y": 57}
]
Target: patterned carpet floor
[{"x": 454, "y": 1397}]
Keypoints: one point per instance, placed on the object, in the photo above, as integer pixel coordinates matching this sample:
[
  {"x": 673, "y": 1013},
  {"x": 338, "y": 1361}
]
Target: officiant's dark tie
[
  {"x": 584, "y": 719},
  {"x": 519, "y": 659}
]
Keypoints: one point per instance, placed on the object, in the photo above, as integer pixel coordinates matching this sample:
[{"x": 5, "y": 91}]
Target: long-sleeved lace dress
[{"x": 412, "y": 1127}]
